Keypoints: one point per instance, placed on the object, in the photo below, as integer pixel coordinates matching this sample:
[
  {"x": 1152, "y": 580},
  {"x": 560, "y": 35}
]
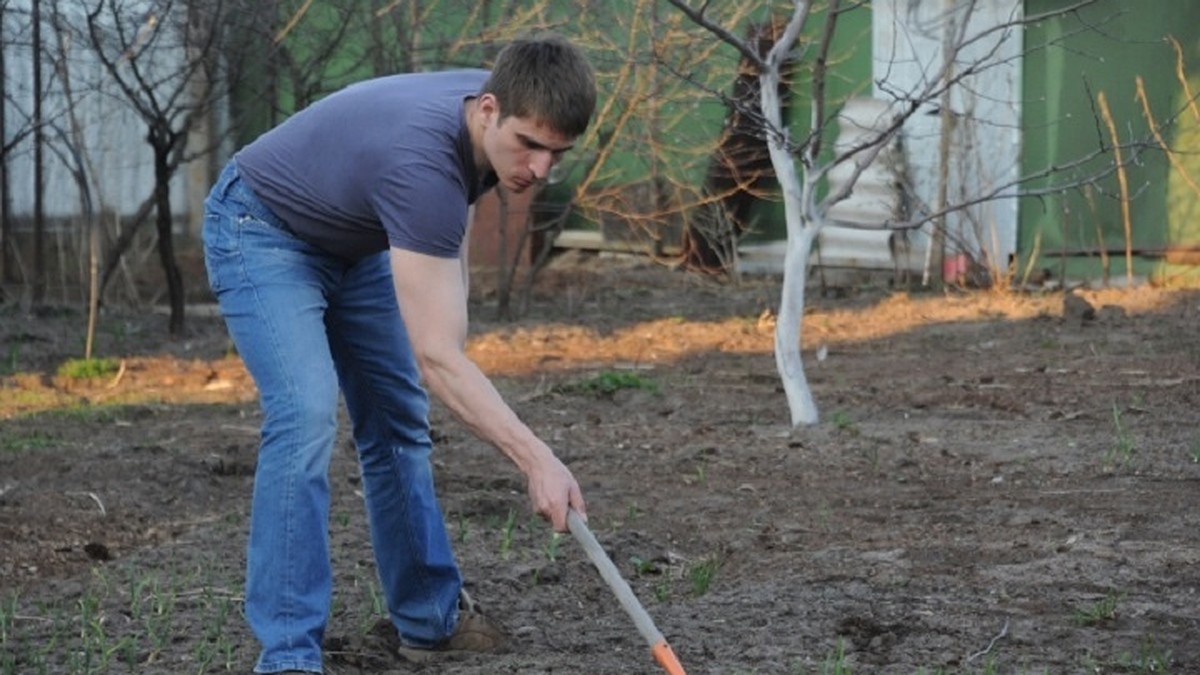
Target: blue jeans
[{"x": 305, "y": 323}]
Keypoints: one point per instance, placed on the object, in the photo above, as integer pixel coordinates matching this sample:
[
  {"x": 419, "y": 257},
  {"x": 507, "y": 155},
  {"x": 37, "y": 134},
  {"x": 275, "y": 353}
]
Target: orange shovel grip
[{"x": 666, "y": 658}]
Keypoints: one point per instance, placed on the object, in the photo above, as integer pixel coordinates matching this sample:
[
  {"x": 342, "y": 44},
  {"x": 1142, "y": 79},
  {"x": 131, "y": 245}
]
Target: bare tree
[
  {"x": 133, "y": 41},
  {"x": 802, "y": 167},
  {"x": 10, "y": 138},
  {"x": 5, "y": 196},
  {"x": 39, "y": 201},
  {"x": 77, "y": 158}
]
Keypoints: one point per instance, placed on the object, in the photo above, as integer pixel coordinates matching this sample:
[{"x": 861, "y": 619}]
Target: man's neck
[{"x": 475, "y": 131}]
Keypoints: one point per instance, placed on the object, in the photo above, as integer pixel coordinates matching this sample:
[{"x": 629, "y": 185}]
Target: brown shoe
[{"x": 474, "y": 632}]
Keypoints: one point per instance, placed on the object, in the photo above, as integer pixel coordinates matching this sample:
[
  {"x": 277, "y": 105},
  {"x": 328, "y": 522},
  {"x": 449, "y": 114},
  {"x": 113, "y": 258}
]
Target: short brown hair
[{"x": 546, "y": 79}]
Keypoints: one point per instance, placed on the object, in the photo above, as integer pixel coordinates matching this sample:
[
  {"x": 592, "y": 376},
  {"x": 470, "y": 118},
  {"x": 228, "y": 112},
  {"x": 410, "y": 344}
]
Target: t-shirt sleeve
[{"x": 423, "y": 208}]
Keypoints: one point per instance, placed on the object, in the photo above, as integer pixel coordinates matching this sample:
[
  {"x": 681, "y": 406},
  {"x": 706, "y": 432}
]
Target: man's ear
[{"x": 489, "y": 108}]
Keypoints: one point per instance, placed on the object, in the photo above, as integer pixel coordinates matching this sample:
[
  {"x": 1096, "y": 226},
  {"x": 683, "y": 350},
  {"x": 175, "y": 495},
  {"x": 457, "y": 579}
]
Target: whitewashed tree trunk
[
  {"x": 799, "y": 207},
  {"x": 788, "y": 360}
]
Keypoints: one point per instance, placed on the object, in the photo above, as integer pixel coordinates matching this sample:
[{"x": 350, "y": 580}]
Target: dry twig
[
  {"x": 983, "y": 652},
  {"x": 95, "y": 498},
  {"x": 117, "y": 378}
]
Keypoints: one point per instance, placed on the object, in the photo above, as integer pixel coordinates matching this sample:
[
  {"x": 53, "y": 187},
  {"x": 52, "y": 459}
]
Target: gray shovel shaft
[{"x": 613, "y": 578}]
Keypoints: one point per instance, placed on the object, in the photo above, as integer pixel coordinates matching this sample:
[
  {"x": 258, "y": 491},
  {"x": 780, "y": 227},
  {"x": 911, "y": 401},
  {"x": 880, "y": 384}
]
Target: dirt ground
[{"x": 1001, "y": 483}]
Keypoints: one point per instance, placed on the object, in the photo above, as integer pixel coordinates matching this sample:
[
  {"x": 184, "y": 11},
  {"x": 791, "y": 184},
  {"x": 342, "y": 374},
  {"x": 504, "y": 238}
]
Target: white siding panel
[
  {"x": 986, "y": 137},
  {"x": 115, "y": 136}
]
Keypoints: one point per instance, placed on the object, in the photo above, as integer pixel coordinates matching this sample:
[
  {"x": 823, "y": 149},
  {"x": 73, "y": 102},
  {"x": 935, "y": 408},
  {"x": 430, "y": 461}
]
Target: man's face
[{"x": 519, "y": 150}]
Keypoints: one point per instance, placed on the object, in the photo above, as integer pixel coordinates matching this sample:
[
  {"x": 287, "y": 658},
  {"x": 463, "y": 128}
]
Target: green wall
[{"x": 1070, "y": 62}]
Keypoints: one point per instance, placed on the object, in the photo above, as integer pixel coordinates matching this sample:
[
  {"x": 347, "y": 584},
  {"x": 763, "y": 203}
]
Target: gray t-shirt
[{"x": 383, "y": 162}]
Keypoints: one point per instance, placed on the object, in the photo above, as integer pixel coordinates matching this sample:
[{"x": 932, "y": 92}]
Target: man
[{"x": 335, "y": 247}]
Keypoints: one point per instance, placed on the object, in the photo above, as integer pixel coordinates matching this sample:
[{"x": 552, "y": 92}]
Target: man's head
[
  {"x": 539, "y": 98},
  {"x": 547, "y": 80}
]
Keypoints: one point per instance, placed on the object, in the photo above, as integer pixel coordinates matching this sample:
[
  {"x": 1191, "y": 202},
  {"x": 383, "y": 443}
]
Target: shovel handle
[{"x": 608, "y": 571}]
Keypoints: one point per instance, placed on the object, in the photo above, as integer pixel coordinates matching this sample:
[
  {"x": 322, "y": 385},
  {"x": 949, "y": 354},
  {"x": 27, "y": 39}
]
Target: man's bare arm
[{"x": 433, "y": 303}]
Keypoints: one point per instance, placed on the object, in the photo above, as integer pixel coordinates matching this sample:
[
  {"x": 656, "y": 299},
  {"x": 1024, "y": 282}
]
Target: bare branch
[
  {"x": 700, "y": 18},
  {"x": 1005, "y": 190},
  {"x": 783, "y": 45},
  {"x": 1123, "y": 183},
  {"x": 1181, "y": 75},
  {"x": 820, "y": 65},
  {"x": 292, "y": 22}
]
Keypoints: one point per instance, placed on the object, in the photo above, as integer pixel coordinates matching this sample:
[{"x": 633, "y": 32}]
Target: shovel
[{"x": 645, "y": 625}]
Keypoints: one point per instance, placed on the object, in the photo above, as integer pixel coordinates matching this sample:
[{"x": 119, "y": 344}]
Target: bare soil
[{"x": 1001, "y": 483}]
